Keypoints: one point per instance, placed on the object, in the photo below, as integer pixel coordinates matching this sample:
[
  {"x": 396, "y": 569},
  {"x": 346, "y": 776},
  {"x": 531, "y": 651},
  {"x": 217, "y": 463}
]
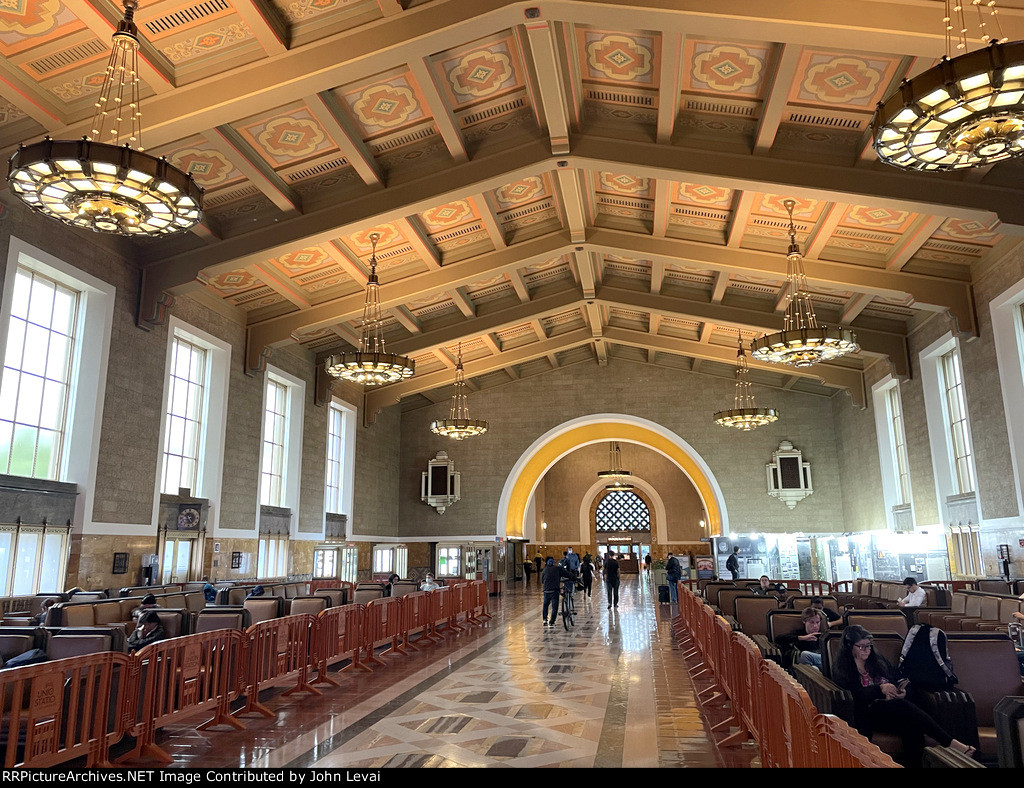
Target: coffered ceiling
[{"x": 553, "y": 182}]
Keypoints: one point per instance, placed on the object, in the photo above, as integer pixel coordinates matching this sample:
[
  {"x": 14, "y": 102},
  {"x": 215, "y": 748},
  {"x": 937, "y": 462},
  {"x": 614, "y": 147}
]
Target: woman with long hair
[{"x": 880, "y": 700}]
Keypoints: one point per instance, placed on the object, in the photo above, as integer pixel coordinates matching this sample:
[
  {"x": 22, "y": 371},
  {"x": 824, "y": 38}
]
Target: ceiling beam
[
  {"x": 546, "y": 72},
  {"x": 492, "y": 344},
  {"x": 443, "y": 117},
  {"x": 420, "y": 243},
  {"x": 389, "y": 395},
  {"x": 822, "y": 232},
  {"x": 280, "y": 284},
  {"x": 778, "y": 98},
  {"x": 920, "y": 231},
  {"x": 854, "y": 307},
  {"x": 929, "y": 292},
  {"x": 519, "y": 285},
  {"x": 891, "y": 345},
  {"x": 669, "y": 92},
  {"x": 235, "y": 149},
  {"x": 657, "y": 275},
  {"x": 740, "y": 217},
  {"x": 583, "y": 262},
  {"x": 329, "y": 114},
  {"x": 462, "y": 302},
  {"x": 721, "y": 284},
  {"x": 104, "y": 30},
  {"x": 265, "y": 25},
  {"x": 662, "y": 207},
  {"x": 406, "y": 319},
  {"x": 573, "y": 203},
  {"x": 489, "y": 219},
  {"x": 830, "y": 375}
]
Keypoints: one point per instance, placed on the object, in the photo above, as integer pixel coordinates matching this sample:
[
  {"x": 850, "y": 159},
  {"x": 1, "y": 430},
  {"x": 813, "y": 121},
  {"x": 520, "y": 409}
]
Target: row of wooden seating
[
  {"x": 763, "y": 701},
  {"x": 986, "y": 667},
  {"x": 970, "y": 611},
  {"x": 80, "y": 707}
]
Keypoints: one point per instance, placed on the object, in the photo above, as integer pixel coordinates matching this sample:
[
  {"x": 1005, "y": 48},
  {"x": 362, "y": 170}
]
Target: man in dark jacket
[
  {"x": 551, "y": 581},
  {"x": 733, "y": 564},
  {"x": 611, "y": 579},
  {"x": 673, "y": 574}
]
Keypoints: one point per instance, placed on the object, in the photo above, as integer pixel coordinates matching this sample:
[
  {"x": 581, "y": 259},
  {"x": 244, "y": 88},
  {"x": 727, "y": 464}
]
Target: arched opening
[{"x": 531, "y": 466}]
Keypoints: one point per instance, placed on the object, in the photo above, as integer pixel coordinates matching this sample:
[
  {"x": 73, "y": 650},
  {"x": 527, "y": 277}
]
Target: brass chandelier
[
  {"x": 459, "y": 425},
  {"x": 371, "y": 364},
  {"x": 802, "y": 342},
  {"x": 966, "y": 111},
  {"x": 106, "y": 182},
  {"x": 615, "y": 473},
  {"x": 745, "y": 415}
]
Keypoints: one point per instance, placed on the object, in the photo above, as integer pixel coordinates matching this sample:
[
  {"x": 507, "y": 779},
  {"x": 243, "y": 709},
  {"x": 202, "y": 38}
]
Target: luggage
[
  {"x": 663, "y": 595},
  {"x": 925, "y": 660}
]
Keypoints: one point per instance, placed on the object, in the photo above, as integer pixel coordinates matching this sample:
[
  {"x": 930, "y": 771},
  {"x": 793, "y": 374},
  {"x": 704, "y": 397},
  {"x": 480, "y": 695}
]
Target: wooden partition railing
[{"x": 764, "y": 702}]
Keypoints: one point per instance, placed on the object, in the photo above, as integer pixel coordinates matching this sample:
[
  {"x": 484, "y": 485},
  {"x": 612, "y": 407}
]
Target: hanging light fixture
[
  {"x": 615, "y": 464},
  {"x": 966, "y": 111},
  {"x": 745, "y": 415},
  {"x": 802, "y": 342},
  {"x": 371, "y": 364},
  {"x": 106, "y": 182},
  {"x": 459, "y": 425}
]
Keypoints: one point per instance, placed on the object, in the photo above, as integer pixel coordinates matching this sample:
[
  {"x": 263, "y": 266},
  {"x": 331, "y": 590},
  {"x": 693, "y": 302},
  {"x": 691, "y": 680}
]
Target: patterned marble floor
[{"x": 612, "y": 692}]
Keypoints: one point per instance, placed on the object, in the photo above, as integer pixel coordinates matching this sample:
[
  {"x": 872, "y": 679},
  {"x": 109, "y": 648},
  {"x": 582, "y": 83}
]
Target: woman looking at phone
[{"x": 880, "y": 700}]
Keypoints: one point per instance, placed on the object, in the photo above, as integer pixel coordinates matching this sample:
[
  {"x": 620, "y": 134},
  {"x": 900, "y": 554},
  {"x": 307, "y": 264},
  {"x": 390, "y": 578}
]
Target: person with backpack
[
  {"x": 673, "y": 574},
  {"x": 733, "y": 563},
  {"x": 880, "y": 699}
]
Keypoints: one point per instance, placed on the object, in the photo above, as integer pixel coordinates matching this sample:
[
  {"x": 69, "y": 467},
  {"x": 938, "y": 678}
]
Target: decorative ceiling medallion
[
  {"x": 80, "y": 87},
  {"x": 28, "y": 17},
  {"x": 626, "y": 184},
  {"x": 10, "y": 113},
  {"x": 208, "y": 167},
  {"x": 804, "y": 209},
  {"x": 378, "y": 237},
  {"x": 448, "y": 215},
  {"x": 233, "y": 282},
  {"x": 291, "y": 136},
  {"x": 620, "y": 58},
  {"x": 206, "y": 42},
  {"x": 845, "y": 80},
  {"x": 387, "y": 106},
  {"x": 481, "y": 73},
  {"x": 878, "y": 218},
  {"x": 730, "y": 69},
  {"x": 702, "y": 194},
  {"x": 520, "y": 191},
  {"x": 303, "y": 260},
  {"x": 970, "y": 230}
]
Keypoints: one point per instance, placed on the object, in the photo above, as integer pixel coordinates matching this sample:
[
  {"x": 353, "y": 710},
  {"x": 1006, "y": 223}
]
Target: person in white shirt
[
  {"x": 915, "y": 594},
  {"x": 428, "y": 584}
]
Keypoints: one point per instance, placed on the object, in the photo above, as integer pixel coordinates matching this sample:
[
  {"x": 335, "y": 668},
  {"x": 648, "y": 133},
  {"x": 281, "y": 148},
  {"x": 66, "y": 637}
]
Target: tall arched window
[{"x": 622, "y": 510}]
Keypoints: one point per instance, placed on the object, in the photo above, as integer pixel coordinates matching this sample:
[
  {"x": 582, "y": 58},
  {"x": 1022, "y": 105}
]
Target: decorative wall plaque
[
  {"x": 440, "y": 486},
  {"x": 789, "y": 477}
]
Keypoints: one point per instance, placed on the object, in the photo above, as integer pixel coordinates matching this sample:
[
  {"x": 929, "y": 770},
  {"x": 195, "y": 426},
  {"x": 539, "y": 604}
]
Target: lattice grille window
[{"x": 623, "y": 511}]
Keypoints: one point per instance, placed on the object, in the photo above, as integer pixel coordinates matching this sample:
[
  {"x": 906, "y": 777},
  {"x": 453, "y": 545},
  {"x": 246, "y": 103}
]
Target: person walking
[
  {"x": 674, "y": 573},
  {"x": 611, "y": 579},
  {"x": 733, "y": 563},
  {"x": 527, "y": 570},
  {"x": 587, "y": 570},
  {"x": 551, "y": 582}
]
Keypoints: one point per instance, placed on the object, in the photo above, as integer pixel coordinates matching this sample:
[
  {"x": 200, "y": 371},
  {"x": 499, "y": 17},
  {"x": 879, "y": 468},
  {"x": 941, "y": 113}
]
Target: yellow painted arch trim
[{"x": 562, "y": 444}]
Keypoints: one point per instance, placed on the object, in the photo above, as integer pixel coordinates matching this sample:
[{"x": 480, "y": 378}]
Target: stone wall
[{"x": 522, "y": 411}]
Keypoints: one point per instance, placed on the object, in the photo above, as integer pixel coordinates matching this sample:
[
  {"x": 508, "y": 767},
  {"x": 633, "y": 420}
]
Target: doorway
[{"x": 177, "y": 560}]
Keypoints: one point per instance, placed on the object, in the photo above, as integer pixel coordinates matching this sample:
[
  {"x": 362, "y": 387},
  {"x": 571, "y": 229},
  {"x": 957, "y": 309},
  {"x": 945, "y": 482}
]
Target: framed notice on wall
[
  {"x": 236, "y": 560},
  {"x": 120, "y": 564}
]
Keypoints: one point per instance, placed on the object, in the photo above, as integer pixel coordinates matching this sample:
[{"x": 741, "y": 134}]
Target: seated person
[
  {"x": 767, "y": 588},
  {"x": 428, "y": 583},
  {"x": 257, "y": 591},
  {"x": 831, "y": 616},
  {"x": 805, "y": 639},
  {"x": 40, "y": 619},
  {"x": 915, "y": 594},
  {"x": 148, "y": 603},
  {"x": 149, "y": 630},
  {"x": 210, "y": 593},
  {"x": 880, "y": 700}
]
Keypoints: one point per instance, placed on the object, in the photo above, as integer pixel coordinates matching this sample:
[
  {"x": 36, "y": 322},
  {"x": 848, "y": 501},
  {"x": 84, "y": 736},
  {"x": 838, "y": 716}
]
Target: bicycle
[{"x": 568, "y": 604}]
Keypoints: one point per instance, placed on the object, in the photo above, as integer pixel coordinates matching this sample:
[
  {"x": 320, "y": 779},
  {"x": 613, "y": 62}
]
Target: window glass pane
[
  {"x": 52, "y": 575},
  {"x": 15, "y": 344},
  {"x": 25, "y": 563},
  {"x": 9, "y": 394},
  {"x": 183, "y": 424},
  {"x": 6, "y": 543},
  {"x": 23, "y": 451},
  {"x": 40, "y": 307},
  {"x": 22, "y": 291},
  {"x": 30, "y": 400},
  {"x": 37, "y": 340}
]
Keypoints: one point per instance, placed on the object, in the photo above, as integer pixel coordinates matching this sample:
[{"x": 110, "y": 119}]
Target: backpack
[{"x": 925, "y": 660}]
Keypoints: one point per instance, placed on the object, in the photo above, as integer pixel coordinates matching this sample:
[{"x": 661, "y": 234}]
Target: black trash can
[{"x": 663, "y": 594}]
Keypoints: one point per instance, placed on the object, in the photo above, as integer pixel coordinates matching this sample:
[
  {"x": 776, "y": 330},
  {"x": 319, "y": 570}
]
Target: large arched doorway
[{"x": 531, "y": 466}]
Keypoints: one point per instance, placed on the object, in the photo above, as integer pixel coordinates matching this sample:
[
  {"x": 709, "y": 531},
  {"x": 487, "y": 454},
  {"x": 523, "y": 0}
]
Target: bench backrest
[
  {"x": 877, "y": 621},
  {"x": 986, "y": 666},
  {"x": 752, "y": 613},
  {"x": 213, "y": 618}
]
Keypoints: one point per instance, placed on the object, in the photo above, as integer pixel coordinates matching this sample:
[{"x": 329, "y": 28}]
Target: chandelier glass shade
[
  {"x": 107, "y": 182},
  {"x": 620, "y": 486},
  {"x": 615, "y": 470},
  {"x": 802, "y": 342},
  {"x": 459, "y": 425},
  {"x": 966, "y": 111},
  {"x": 745, "y": 415},
  {"x": 371, "y": 364}
]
